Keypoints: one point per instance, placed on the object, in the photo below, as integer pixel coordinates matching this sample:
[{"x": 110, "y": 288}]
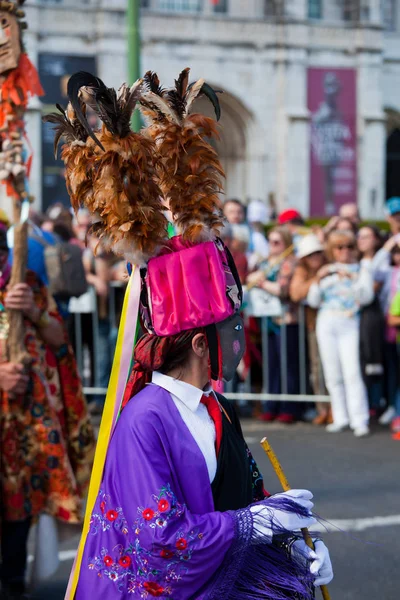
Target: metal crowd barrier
[{"x": 245, "y": 390}]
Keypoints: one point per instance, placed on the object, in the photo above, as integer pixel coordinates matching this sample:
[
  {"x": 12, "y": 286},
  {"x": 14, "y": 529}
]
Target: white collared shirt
[{"x": 187, "y": 399}]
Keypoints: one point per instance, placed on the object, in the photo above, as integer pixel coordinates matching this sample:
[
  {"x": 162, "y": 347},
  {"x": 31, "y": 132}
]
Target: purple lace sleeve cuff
[{"x": 265, "y": 571}]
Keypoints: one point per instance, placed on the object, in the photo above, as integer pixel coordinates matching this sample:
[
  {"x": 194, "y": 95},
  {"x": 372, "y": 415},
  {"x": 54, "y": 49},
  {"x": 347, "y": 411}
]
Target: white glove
[
  {"x": 318, "y": 559},
  {"x": 269, "y": 519}
]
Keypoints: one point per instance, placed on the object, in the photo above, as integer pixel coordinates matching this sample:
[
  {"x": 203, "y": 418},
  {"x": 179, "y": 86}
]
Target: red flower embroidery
[
  {"x": 163, "y": 505},
  {"x": 153, "y": 588},
  {"x": 112, "y": 515},
  {"x": 124, "y": 561},
  {"x": 166, "y": 553},
  {"x": 108, "y": 561},
  {"x": 102, "y": 507},
  {"x": 148, "y": 514},
  {"x": 181, "y": 544}
]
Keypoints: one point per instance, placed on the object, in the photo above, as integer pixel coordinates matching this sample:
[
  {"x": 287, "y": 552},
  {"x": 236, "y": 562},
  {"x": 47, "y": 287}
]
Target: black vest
[{"x": 232, "y": 487}]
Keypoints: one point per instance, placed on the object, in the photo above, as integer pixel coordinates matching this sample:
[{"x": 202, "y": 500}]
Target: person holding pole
[{"x": 46, "y": 440}]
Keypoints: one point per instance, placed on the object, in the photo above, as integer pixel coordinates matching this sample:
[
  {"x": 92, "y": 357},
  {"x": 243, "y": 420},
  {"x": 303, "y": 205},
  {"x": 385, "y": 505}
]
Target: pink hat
[{"x": 189, "y": 286}]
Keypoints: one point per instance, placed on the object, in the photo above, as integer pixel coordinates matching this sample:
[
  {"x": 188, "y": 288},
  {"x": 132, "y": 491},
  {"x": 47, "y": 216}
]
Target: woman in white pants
[{"x": 341, "y": 289}]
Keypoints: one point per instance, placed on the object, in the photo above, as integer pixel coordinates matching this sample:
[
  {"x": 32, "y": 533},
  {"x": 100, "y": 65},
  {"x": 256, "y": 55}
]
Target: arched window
[{"x": 232, "y": 146}]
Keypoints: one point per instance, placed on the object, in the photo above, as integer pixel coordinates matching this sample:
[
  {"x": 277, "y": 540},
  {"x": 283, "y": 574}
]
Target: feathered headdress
[
  {"x": 190, "y": 174},
  {"x": 112, "y": 171}
]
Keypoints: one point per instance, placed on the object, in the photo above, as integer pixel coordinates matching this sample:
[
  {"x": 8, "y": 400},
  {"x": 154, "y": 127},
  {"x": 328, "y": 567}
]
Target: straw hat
[{"x": 308, "y": 245}]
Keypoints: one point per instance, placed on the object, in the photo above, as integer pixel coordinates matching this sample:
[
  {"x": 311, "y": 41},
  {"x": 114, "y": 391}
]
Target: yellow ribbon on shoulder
[{"x": 115, "y": 393}]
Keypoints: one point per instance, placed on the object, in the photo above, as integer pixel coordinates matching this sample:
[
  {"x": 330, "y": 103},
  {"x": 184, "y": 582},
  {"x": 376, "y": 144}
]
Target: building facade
[{"x": 311, "y": 89}]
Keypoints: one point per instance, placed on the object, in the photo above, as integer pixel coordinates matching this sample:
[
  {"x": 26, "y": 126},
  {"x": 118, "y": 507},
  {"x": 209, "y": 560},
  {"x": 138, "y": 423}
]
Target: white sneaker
[
  {"x": 362, "y": 431},
  {"x": 335, "y": 428},
  {"x": 387, "y": 417}
]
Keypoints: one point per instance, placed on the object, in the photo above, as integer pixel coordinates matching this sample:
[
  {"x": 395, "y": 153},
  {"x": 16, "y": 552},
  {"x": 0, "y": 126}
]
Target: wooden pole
[
  {"x": 286, "y": 487},
  {"x": 16, "y": 338}
]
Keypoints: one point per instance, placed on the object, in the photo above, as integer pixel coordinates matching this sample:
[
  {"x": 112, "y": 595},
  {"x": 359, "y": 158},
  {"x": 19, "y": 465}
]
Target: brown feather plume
[
  {"x": 190, "y": 174},
  {"x": 113, "y": 175},
  {"x": 76, "y": 155}
]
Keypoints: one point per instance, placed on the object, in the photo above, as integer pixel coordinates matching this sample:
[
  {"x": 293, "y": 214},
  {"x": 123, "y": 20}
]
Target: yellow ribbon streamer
[{"x": 106, "y": 429}]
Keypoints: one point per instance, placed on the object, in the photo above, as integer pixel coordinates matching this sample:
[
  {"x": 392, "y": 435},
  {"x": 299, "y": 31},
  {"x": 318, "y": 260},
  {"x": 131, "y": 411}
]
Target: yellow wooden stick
[{"x": 286, "y": 487}]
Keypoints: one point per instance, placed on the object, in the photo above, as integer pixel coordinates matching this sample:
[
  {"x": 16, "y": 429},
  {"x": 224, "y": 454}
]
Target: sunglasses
[
  {"x": 275, "y": 242},
  {"x": 344, "y": 247}
]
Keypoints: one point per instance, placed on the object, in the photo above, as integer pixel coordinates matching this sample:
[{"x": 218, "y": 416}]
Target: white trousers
[{"x": 338, "y": 340}]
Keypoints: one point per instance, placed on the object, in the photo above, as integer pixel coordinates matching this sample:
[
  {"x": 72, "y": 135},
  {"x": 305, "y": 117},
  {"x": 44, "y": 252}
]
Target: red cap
[{"x": 288, "y": 215}]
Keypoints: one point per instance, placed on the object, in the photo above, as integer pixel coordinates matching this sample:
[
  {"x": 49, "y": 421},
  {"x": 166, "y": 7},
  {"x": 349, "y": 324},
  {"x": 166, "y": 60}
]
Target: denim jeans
[{"x": 274, "y": 368}]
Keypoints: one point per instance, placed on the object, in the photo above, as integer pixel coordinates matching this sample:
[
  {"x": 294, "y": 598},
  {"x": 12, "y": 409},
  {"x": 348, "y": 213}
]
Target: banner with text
[{"x": 333, "y": 139}]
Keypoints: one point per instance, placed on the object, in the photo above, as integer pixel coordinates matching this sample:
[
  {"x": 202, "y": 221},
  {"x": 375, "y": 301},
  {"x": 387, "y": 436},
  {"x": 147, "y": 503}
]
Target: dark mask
[{"x": 226, "y": 342}]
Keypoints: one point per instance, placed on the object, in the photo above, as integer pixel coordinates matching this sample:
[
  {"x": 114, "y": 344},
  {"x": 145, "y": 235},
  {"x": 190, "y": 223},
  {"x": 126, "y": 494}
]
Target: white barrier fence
[{"x": 88, "y": 306}]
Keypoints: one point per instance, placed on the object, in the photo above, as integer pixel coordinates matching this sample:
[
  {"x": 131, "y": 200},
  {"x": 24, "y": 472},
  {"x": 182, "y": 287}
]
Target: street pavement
[{"x": 356, "y": 486}]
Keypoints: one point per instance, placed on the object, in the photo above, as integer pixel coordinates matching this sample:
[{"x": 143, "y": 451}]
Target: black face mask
[{"x": 226, "y": 342}]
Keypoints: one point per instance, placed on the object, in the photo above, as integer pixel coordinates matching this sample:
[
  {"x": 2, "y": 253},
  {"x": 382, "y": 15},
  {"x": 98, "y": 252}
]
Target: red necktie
[{"x": 211, "y": 403}]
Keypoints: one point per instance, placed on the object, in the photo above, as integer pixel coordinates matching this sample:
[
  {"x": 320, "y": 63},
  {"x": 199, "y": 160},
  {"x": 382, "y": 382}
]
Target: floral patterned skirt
[{"x": 46, "y": 440}]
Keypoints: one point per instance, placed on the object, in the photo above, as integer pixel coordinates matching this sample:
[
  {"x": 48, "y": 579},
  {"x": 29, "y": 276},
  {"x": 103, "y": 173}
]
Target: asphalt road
[{"x": 356, "y": 482}]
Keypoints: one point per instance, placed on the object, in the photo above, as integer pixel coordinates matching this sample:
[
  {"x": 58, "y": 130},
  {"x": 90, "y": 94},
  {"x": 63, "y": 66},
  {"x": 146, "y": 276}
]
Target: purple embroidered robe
[{"x": 154, "y": 531}]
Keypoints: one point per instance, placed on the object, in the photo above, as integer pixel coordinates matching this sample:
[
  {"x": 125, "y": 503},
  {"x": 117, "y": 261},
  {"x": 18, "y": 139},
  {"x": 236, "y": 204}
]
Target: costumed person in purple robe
[{"x": 181, "y": 510}]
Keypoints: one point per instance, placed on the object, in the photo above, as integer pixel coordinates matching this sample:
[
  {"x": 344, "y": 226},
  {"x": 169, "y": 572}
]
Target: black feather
[
  {"x": 211, "y": 94},
  {"x": 127, "y": 100},
  {"x": 177, "y": 96},
  {"x": 177, "y": 103},
  {"x": 181, "y": 84},
  {"x": 75, "y": 83},
  {"x": 147, "y": 104},
  {"x": 64, "y": 128},
  {"x": 152, "y": 83}
]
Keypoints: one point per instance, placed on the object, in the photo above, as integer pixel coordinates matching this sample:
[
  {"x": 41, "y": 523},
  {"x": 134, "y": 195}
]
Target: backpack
[{"x": 64, "y": 267}]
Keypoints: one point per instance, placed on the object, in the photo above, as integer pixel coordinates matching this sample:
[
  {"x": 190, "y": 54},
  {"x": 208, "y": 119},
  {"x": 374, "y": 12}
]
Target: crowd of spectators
[
  {"x": 339, "y": 282},
  {"x": 343, "y": 279},
  {"x": 47, "y": 440},
  {"x": 90, "y": 320}
]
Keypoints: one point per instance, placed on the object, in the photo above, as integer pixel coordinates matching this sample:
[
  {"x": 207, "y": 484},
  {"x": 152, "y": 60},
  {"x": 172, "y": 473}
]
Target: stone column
[{"x": 371, "y": 135}]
